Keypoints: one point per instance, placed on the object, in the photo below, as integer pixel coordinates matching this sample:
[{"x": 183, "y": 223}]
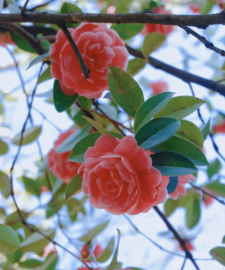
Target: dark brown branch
[
  {"x": 181, "y": 74},
  {"x": 200, "y": 21},
  {"x": 177, "y": 236},
  {"x": 24, "y": 7},
  {"x": 80, "y": 59}
]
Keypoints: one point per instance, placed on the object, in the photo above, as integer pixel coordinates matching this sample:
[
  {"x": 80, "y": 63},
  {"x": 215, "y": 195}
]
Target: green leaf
[
  {"x": 46, "y": 75},
  {"x": 205, "y": 129},
  {"x": 75, "y": 137},
  {"x": 216, "y": 188},
  {"x": 127, "y": 30},
  {"x": 172, "y": 184},
  {"x": 21, "y": 43},
  {"x": 170, "y": 206},
  {"x": 135, "y": 65},
  {"x": 97, "y": 126},
  {"x": 80, "y": 148},
  {"x": 68, "y": 8},
  {"x": 36, "y": 242},
  {"x": 30, "y": 263},
  {"x": 93, "y": 232},
  {"x": 193, "y": 209},
  {"x": 152, "y": 42},
  {"x": 30, "y": 135},
  {"x": 208, "y": 4},
  {"x": 213, "y": 168},
  {"x": 74, "y": 187},
  {"x": 218, "y": 253},
  {"x": 32, "y": 186},
  {"x": 182, "y": 147},
  {"x": 223, "y": 240},
  {"x": 50, "y": 262},
  {"x": 156, "y": 131},
  {"x": 190, "y": 132},
  {"x": 85, "y": 103},
  {"x": 9, "y": 240},
  {"x": 107, "y": 252},
  {"x": 62, "y": 101},
  {"x": 180, "y": 107},
  {"x": 149, "y": 108},
  {"x": 125, "y": 90},
  {"x": 172, "y": 164},
  {"x": 3, "y": 147},
  {"x": 40, "y": 58},
  {"x": 114, "y": 259}
]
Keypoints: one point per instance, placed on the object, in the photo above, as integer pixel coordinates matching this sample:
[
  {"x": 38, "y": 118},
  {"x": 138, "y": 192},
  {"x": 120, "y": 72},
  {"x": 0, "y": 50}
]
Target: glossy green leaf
[
  {"x": 107, "y": 252},
  {"x": 213, "y": 168},
  {"x": 30, "y": 263},
  {"x": 173, "y": 181},
  {"x": 149, "y": 108},
  {"x": 156, "y": 131},
  {"x": 9, "y": 240},
  {"x": 152, "y": 42},
  {"x": 62, "y": 101},
  {"x": 125, "y": 90},
  {"x": 183, "y": 147},
  {"x": 46, "y": 75},
  {"x": 180, "y": 107},
  {"x": 80, "y": 148},
  {"x": 40, "y": 58},
  {"x": 218, "y": 253},
  {"x": 32, "y": 186},
  {"x": 193, "y": 209},
  {"x": 3, "y": 147},
  {"x": 114, "y": 259},
  {"x": 216, "y": 188},
  {"x": 21, "y": 43},
  {"x": 205, "y": 129},
  {"x": 85, "y": 103},
  {"x": 190, "y": 132},
  {"x": 173, "y": 164},
  {"x": 135, "y": 65},
  {"x": 93, "y": 232},
  {"x": 207, "y": 6},
  {"x": 127, "y": 30},
  {"x": 30, "y": 135},
  {"x": 74, "y": 187},
  {"x": 97, "y": 126},
  {"x": 75, "y": 137}
]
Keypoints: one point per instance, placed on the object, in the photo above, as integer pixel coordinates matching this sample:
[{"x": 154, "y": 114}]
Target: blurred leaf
[
  {"x": 30, "y": 263},
  {"x": 3, "y": 147},
  {"x": 62, "y": 101},
  {"x": 74, "y": 206},
  {"x": 156, "y": 131},
  {"x": 173, "y": 164},
  {"x": 93, "y": 232},
  {"x": 97, "y": 126},
  {"x": 218, "y": 253},
  {"x": 30, "y": 135},
  {"x": 21, "y": 43},
  {"x": 125, "y": 90},
  {"x": 223, "y": 240},
  {"x": 152, "y": 42},
  {"x": 193, "y": 209},
  {"x": 14, "y": 256},
  {"x": 205, "y": 129},
  {"x": 32, "y": 186},
  {"x": 180, "y": 107},
  {"x": 172, "y": 184},
  {"x": 135, "y": 65},
  {"x": 68, "y": 8},
  {"x": 216, "y": 188},
  {"x": 74, "y": 187},
  {"x": 213, "y": 168},
  {"x": 9, "y": 240},
  {"x": 114, "y": 259},
  {"x": 80, "y": 148},
  {"x": 40, "y": 58},
  {"x": 46, "y": 75},
  {"x": 207, "y": 6},
  {"x": 50, "y": 262},
  {"x": 190, "y": 132},
  {"x": 85, "y": 103},
  {"x": 127, "y": 30},
  {"x": 12, "y": 6},
  {"x": 149, "y": 108},
  {"x": 184, "y": 148},
  {"x": 107, "y": 252}
]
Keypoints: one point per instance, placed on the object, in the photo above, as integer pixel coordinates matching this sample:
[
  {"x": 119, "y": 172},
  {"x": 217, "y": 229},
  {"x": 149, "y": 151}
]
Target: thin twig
[
  {"x": 24, "y": 7},
  {"x": 79, "y": 57},
  {"x": 183, "y": 264},
  {"x": 177, "y": 236}
]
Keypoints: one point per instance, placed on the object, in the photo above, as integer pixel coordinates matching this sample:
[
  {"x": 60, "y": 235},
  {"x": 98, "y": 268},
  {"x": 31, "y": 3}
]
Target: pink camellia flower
[
  {"x": 99, "y": 47},
  {"x": 58, "y": 162},
  {"x": 85, "y": 252},
  {"x": 119, "y": 177},
  {"x": 180, "y": 189},
  {"x": 220, "y": 128},
  {"x": 163, "y": 29},
  {"x": 159, "y": 87},
  {"x": 6, "y": 39}
]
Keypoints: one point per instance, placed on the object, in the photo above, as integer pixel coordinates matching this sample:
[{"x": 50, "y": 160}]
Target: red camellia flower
[
  {"x": 195, "y": 8},
  {"x": 180, "y": 189},
  {"x": 163, "y": 29},
  {"x": 220, "y": 128},
  {"x": 58, "y": 162},
  {"x": 99, "y": 47},
  {"x": 5, "y": 39},
  {"x": 159, "y": 87},
  {"x": 119, "y": 177},
  {"x": 85, "y": 252}
]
